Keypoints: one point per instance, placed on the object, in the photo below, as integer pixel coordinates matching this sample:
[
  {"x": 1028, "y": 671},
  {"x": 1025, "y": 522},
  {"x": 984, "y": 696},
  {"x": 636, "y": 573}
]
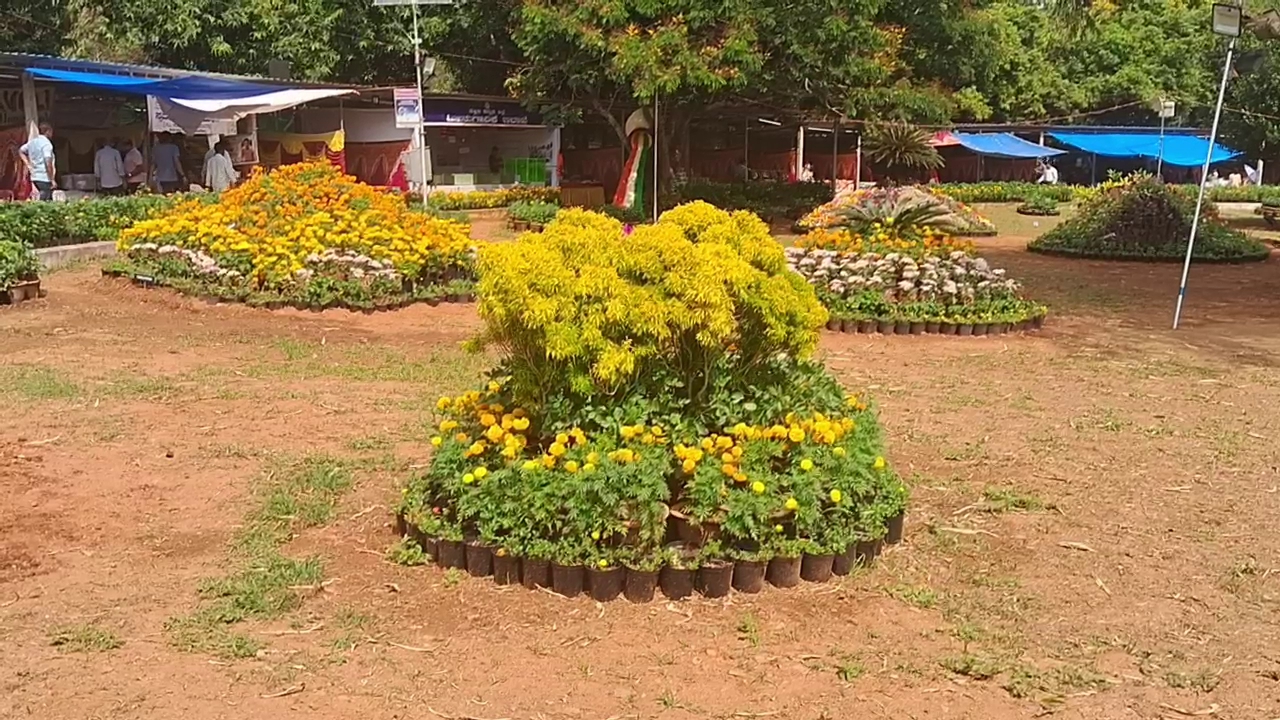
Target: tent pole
[
  {"x": 1160, "y": 154},
  {"x": 656, "y": 167},
  {"x": 857, "y": 165},
  {"x": 1093, "y": 169},
  {"x": 746, "y": 150},
  {"x": 1204, "y": 175},
  {"x": 835, "y": 155},
  {"x": 799, "y": 168}
]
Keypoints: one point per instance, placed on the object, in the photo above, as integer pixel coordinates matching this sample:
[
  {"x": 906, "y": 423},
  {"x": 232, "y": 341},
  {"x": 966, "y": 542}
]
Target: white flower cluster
[
  {"x": 346, "y": 264},
  {"x": 956, "y": 278},
  {"x": 198, "y": 261}
]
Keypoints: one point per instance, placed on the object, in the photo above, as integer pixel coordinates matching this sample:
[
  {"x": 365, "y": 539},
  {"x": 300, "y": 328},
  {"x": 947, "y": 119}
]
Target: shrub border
[
  {"x": 478, "y": 561},
  {"x": 141, "y": 280},
  {"x": 909, "y": 327},
  {"x": 1261, "y": 256}
]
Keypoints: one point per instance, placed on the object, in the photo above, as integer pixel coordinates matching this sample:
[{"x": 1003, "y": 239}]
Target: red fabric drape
[
  {"x": 601, "y": 166},
  {"x": 375, "y": 163},
  {"x": 846, "y": 162},
  {"x": 13, "y": 174}
]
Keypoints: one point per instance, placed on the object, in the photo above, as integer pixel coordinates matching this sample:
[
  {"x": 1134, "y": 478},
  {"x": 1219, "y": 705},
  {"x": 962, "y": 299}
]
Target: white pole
[
  {"x": 746, "y": 151},
  {"x": 1204, "y": 176},
  {"x": 799, "y": 151},
  {"x": 1160, "y": 155},
  {"x": 422, "y": 111},
  {"x": 857, "y": 167},
  {"x": 655, "y": 157}
]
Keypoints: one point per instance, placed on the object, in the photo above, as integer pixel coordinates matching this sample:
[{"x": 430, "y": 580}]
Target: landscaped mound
[
  {"x": 655, "y": 408},
  {"x": 1142, "y": 219},
  {"x": 304, "y": 235},
  {"x": 858, "y": 205}
]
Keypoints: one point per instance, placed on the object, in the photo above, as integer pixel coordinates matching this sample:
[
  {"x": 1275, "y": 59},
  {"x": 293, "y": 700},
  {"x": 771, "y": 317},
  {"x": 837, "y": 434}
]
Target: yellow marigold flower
[
  {"x": 689, "y": 466},
  {"x": 737, "y": 452},
  {"x": 694, "y": 454},
  {"x": 488, "y": 420},
  {"x": 480, "y": 472},
  {"x": 757, "y": 487},
  {"x": 839, "y": 452},
  {"x": 727, "y": 458},
  {"x": 562, "y": 438},
  {"x": 557, "y": 449},
  {"x": 795, "y": 434},
  {"x": 442, "y": 403},
  {"x": 507, "y": 420},
  {"x": 530, "y": 465},
  {"x": 437, "y": 441},
  {"x": 571, "y": 466},
  {"x": 879, "y": 463},
  {"x": 593, "y": 458},
  {"x": 836, "y": 495},
  {"x": 728, "y": 469},
  {"x": 494, "y": 386},
  {"x": 448, "y": 425},
  {"x": 589, "y": 467},
  {"x": 496, "y": 408},
  {"x": 494, "y": 433},
  {"x": 548, "y": 461},
  {"x": 462, "y": 437},
  {"x": 777, "y": 431},
  {"x": 723, "y": 442},
  {"x": 806, "y": 464},
  {"x": 579, "y": 437},
  {"x": 468, "y": 479},
  {"x": 778, "y": 528},
  {"x": 657, "y": 430},
  {"x": 708, "y": 444},
  {"x": 520, "y": 424},
  {"x": 509, "y": 452},
  {"x": 739, "y": 477},
  {"x": 792, "y": 503}
]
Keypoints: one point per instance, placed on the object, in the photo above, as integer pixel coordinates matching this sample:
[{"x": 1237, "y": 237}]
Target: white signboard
[
  {"x": 160, "y": 122},
  {"x": 408, "y": 111}
]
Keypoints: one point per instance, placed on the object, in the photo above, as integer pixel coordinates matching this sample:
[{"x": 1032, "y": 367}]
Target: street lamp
[{"x": 1228, "y": 20}]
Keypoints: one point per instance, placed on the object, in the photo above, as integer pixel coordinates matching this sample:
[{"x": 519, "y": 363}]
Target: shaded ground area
[{"x": 1089, "y": 535}]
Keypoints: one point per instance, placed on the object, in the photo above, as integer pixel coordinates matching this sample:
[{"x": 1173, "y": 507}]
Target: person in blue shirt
[{"x": 37, "y": 155}]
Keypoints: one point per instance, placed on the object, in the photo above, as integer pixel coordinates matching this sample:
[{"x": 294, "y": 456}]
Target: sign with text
[
  {"x": 479, "y": 112},
  {"x": 11, "y": 108},
  {"x": 408, "y": 112}
]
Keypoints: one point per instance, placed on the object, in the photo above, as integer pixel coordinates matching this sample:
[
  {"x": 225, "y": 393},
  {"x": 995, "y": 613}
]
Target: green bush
[
  {"x": 1142, "y": 219},
  {"x": 18, "y": 263},
  {"x": 1042, "y": 205},
  {"x": 1010, "y": 191},
  {"x": 48, "y": 224},
  {"x": 538, "y": 213},
  {"x": 770, "y": 200}
]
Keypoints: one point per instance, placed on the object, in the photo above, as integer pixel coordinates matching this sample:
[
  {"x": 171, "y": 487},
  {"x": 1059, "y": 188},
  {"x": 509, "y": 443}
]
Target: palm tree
[{"x": 902, "y": 149}]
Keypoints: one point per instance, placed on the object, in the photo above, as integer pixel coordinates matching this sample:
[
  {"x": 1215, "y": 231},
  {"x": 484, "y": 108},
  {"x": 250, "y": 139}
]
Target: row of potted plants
[
  {"x": 932, "y": 327},
  {"x": 679, "y": 571},
  {"x": 531, "y": 215}
]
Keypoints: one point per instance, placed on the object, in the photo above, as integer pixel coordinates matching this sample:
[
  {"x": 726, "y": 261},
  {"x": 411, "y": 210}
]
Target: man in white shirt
[
  {"x": 134, "y": 167},
  {"x": 219, "y": 173},
  {"x": 37, "y": 155},
  {"x": 108, "y": 167}
]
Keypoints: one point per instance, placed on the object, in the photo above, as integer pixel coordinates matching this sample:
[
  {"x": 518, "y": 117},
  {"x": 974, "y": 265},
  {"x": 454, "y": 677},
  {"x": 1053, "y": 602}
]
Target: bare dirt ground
[{"x": 1090, "y": 535}]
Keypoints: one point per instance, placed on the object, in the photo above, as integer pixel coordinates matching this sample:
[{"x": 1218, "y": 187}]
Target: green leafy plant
[
  {"x": 1042, "y": 205},
  {"x": 903, "y": 149},
  {"x": 18, "y": 263}
]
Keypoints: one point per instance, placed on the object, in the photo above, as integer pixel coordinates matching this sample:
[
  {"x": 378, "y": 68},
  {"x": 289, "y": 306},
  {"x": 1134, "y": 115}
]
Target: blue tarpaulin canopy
[
  {"x": 1180, "y": 150},
  {"x": 1004, "y": 145},
  {"x": 193, "y": 87}
]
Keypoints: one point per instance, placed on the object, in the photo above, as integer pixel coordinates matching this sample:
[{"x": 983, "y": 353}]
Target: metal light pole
[
  {"x": 421, "y": 131},
  {"x": 656, "y": 167},
  {"x": 1227, "y": 20},
  {"x": 1167, "y": 110}
]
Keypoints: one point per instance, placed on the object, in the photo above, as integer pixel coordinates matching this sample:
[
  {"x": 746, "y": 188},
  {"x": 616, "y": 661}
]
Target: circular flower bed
[
  {"x": 1143, "y": 219},
  {"x": 872, "y": 204},
  {"x": 303, "y": 235},
  {"x": 1039, "y": 205},
  {"x": 655, "y": 419}
]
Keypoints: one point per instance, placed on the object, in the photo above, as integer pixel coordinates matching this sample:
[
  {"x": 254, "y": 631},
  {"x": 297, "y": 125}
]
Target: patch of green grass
[
  {"x": 749, "y": 629},
  {"x": 849, "y": 669},
  {"x": 133, "y": 386},
  {"x": 263, "y": 583},
  {"x": 84, "y": 638},
  {"x": 920, "y": 596},
  {"x": 406, "y": 552},
  {"x": 444, "y": 369},
  {"x": 369, "y": 443},
  {"x": 1002, "y": 500},
  {"x": 978, "y": 667},
  {"x": 453, "y": 576},
  {"x": 35, "y": 382}
]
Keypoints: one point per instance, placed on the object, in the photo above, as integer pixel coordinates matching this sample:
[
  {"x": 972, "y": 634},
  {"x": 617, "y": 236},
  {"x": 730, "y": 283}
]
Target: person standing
[
  {"x": 37, "y": 155},
  {"x": 167, "y": 161},
  {"x": 134, "y": 168},
  {"x": 219, "y": 173},
  {"x": 108, "y": 167}
]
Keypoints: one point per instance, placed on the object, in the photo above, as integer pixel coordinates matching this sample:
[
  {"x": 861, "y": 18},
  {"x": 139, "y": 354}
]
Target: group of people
[{"x": 119, "y": 166}]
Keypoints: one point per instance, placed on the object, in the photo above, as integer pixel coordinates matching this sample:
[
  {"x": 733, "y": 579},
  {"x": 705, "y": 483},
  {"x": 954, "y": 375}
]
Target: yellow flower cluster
[
  {"x": 480, "y": 199},
  {"x": 276, "y": 220},
  {"x": 887, "y": 238},
  {"x": 584, "y": 292}
]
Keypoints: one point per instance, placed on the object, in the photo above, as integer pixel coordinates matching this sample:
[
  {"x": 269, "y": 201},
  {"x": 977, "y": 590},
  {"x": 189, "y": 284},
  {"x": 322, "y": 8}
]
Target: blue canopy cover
[
  {"x": 1004, "y": 145},
  {"x": 192, "y": 87},
  {"x": 1180, "y": 150}
]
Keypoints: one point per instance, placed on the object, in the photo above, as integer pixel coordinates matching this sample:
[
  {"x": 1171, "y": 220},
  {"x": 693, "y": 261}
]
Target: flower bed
[
  {"x": 525, "y": 215},
  {"x": 899, "y": 293},
  {"x": 655, "y": 419},
  {"x": 303, "y": 235},
  {"x": 1142, "y": 219},
  {"x": 871, "y": 204},
  {"x": 45, "y": 224},
  {"x": 1039, "y": 205},
  {"x": 1007, "y": 191},
  {"x": 486, "y": 199}
]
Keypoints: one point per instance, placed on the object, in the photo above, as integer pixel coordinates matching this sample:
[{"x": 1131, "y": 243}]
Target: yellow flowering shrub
[
  {"x": 269, "y": 227},
  {"x": 597, "y": 303},
  {"x": 482, "y": 199},
  {"x": 887, "y": 238}
]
